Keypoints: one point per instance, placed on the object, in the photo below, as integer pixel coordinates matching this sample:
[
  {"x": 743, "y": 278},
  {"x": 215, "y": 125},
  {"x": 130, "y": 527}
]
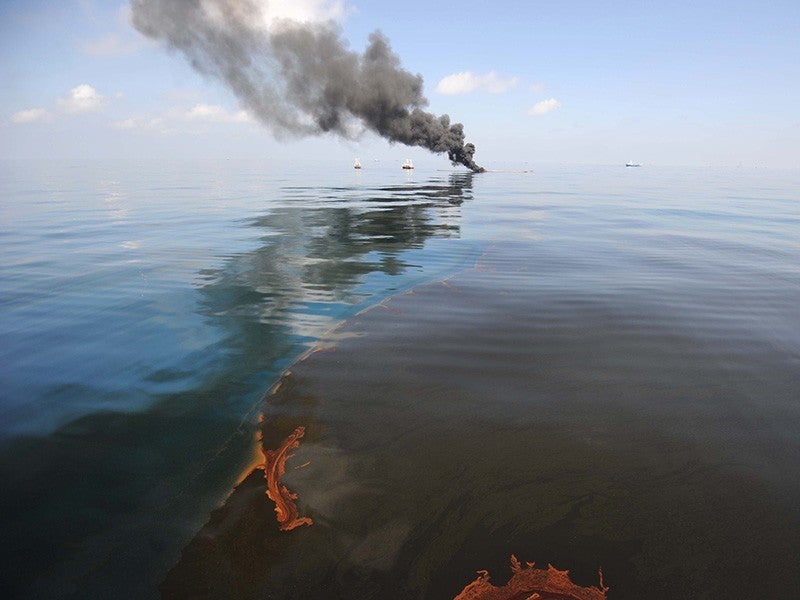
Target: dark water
[{"x": 613, "y": 383}]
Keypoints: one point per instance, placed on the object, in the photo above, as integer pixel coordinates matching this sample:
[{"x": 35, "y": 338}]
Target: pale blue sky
[{"x": 696, "y": 83}]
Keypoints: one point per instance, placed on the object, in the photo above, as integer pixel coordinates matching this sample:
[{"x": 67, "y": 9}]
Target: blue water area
[{"x": 145, "y": 309}]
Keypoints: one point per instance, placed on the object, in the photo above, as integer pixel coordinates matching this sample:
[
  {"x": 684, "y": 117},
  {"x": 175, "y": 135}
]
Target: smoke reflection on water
[{"x": 97, "y": 501}]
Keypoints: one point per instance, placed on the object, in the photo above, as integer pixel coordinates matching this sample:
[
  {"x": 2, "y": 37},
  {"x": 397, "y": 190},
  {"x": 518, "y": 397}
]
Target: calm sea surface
[{"x": 145, "y": 309}]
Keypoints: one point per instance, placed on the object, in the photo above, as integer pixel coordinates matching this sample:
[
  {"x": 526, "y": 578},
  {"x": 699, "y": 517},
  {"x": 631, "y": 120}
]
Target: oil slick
[
  {"x": 528, "y": 583},
  {"x": 274, "y": 468}
]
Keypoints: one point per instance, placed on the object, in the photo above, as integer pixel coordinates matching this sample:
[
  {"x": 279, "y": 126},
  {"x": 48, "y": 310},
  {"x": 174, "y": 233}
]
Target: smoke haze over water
[{"x": 299, "y": 78}]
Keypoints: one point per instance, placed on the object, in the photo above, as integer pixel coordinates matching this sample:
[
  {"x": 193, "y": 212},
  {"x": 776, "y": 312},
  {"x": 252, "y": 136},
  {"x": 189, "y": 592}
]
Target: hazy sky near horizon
[{"x": 674, "y": 83}]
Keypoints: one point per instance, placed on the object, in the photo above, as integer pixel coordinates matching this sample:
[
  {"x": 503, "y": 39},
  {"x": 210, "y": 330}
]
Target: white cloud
[
  {"x": 82, "y": 99},
  {"x": 494, "y": 84},
  {"x": 537, "y": 87},
  {"x": 467, "y": 81},
  {"x": 457, "y": 83},
  {"x": 214, "y": 113},
  {"x": 30, "y": 115},
  {"x": 544, "y": 107}
]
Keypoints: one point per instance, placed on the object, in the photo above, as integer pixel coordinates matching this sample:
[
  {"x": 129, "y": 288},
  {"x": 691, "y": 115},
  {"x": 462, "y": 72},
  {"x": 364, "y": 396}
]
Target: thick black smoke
[{"x": 300, "y": 78}]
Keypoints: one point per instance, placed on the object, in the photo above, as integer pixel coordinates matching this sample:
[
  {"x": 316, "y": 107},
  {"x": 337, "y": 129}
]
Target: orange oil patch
[
  {"x": 529, "y": 582},
  {"x": 274, "y": 469}
]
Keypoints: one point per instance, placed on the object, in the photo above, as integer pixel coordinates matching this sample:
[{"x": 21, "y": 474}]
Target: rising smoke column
[{"x": 300, "y": 79}]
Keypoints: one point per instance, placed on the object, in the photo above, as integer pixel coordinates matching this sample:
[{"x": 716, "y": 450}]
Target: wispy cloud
[
  {"x": 181, "y": 96},
  {"x": 111, "y": 44},
  {"x": 214, "y": 113},
  {"x": 171, "y": 121},
  {"x": 149, "y": 123},
  {"x": 124, "y": 15},
  {"x": 31, "y": 115},
  {"x": 467, "y": 81},
  {"x": 544, "y": 107},
  {"x": 82, "y": 99},
  {"x": 122, "y": 40},
  {"x": 537, "y": 86}
]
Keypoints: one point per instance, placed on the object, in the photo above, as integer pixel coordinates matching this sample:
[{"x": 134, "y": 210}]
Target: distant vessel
[
  {"x": 356, "y": 164},
  {"x": 632, "y": 164},
  {"x": 408, "y": 164}
]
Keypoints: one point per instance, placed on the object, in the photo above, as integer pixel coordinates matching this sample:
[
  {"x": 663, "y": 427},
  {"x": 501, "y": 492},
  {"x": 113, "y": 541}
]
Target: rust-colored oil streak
[
  {"x": 274, "y": 468},
  {"x": 529, "y": 583}
]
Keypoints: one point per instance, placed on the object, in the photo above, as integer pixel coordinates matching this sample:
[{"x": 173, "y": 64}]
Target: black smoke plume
[{"x": 300, "y": 78}]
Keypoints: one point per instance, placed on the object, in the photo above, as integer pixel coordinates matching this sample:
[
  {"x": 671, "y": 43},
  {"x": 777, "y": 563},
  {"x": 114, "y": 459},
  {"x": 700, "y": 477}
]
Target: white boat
[
  {"x": 356, "y": 164},
  {"x": 408, "y": 164},
  {"x": 630, "y": 163}
]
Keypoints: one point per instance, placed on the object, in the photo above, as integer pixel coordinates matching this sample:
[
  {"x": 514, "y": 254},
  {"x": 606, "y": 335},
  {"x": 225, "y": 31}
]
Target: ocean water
[{"x": 146, "y": 308}]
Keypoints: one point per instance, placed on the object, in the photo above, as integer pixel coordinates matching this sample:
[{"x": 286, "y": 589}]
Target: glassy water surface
[{"x": 146, "y": 308}]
